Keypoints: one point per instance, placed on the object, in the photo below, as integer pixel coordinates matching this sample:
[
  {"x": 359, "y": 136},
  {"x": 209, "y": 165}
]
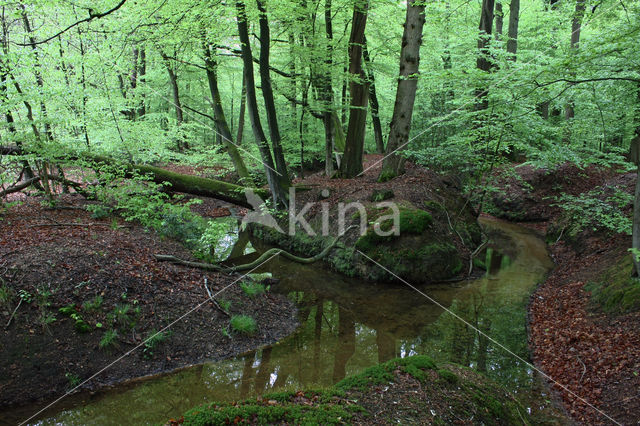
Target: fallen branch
[
  {"x": 265, "y": 256},
  {"x": 13, "y": 314},
  {"x": 214, "y": 300},
  {"x": 19, "y": 187}
]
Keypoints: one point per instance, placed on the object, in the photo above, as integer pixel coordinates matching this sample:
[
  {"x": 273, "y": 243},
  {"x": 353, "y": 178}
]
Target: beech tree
[{"x": 406, "y": 93}]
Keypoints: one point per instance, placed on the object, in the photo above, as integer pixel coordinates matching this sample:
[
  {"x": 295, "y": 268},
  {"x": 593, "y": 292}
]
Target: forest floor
[
  {"x": 592, "y": 352},
  {"x": 102, "y": 274}
]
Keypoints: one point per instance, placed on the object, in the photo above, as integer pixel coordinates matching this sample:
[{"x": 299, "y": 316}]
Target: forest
[{"x": 433, "y": 206}]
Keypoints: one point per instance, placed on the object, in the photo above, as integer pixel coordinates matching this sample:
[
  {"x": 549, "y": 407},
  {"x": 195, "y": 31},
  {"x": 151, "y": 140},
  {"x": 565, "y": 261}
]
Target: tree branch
[
  {"x": 92, "y": 15},
  {"x": 588, "y": 80}
]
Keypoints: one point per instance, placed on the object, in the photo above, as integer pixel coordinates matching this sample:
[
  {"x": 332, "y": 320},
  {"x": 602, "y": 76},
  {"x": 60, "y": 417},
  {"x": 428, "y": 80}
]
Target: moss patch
[
  {"x": 616, "y": 292},
  {"x": 447, "y": 393}
]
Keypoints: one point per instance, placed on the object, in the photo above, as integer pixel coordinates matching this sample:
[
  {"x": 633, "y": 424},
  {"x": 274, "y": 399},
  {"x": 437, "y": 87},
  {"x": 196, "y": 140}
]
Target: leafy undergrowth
[{"x": 404, "y": 390}]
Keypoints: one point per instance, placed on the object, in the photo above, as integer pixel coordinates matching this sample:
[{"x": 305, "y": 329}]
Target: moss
[
  {"x": 436, "y": 261},
  {"x": 448, "y": 376},
  {"x": 411, "y": 221},
  {"x": 381, "y": 195},
  {"x": 615, "y": 291},
  {"x": 383, "y": 373},
  {"x": 481, "y": 400}
]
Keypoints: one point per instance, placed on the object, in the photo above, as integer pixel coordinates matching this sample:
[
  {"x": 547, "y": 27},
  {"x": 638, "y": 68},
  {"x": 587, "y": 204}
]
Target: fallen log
[{"x": 178, "y": 182}]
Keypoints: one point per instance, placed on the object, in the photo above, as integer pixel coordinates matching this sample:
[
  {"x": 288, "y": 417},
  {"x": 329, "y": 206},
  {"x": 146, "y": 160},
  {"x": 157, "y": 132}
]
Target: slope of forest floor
[
  {"x": 587, "y": 347},
  {"x": 90, "y": 291}
]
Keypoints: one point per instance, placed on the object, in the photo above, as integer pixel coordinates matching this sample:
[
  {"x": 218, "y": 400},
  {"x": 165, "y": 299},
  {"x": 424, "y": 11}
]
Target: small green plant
[
  {"x": 124, "y": 316},
  {"x": 47, "y": 318},
  {"x": 155, "y": 338},
  {"x": 225, "y": 333},
  {"x": 109, "y": 338},
  {"x": 6, "y": 295},
  {"x": 42, "y": 297},
  {"x": 81, "y": 325},
  {"x": 93, "y": 304},
  {"x": 225, "y": 304},
  {"x": 25, "y": 296},
  {"x": 243, "y": 324},
  {"x": 73, "y": 379},
  {"x": 252, "y": 289}
]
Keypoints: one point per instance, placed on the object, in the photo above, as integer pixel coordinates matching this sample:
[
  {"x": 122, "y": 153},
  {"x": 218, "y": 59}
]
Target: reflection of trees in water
[{"x": 346, "y": 345}]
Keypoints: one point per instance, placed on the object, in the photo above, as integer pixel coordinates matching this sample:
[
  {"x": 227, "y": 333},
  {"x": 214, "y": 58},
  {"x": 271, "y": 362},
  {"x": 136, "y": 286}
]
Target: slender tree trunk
[
  {"x": 175, "y": 94},
  {"x": 483, "y": 62},
  {"x": 373, "y": 97},
  {"x": 218, "y": 114},
  {"x": 267, "y": 94},
  {"x": 327, "y": 93},
  {"x": 499, "y": 20},
  {"x": 273, "y": 178},
  {"x": 243, "y": 108},
  {"x": 576, "y": 25},
  {"x": 142, "y": 71},
  {"x": 635, "y": 148},
  {"x": 514, "y": 19},
  {"x": 406, "y": 92},
  {"x": 354, "y": 148}
]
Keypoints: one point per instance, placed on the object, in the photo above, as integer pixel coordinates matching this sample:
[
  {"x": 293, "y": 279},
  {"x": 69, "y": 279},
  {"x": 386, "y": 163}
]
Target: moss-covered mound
[
  {"x": 410, "y": 390},
  {"x": 420, "y": 246}
]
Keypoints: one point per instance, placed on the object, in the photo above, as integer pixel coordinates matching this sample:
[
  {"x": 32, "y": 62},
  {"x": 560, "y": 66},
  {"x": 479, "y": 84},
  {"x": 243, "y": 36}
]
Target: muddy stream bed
[{"x": 347, "y": 325}]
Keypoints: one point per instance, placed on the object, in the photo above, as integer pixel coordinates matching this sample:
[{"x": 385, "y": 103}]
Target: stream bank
[
  {"x": 90, "y": 290},
  {"x": 585, "y": 318}
]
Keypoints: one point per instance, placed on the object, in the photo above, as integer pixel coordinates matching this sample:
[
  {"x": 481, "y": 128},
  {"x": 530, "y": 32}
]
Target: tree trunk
[
  {"x": 354, "y": 148},
  {"x": 243, "y": 108},
  {"x": 635, "y": 239},
  {"x": 373, "y": 97},
  {"x": 483, "y": 62},
  {"x": 219, "y": 117},
  {"x": 514, "y": 19},
  {"x": 142, "y": 71},
  {"x": 499, "y": 20},
  {"x": 576, "y": 25},
  {"x": 393, "y": 163},
  {"x": 327, "y": 93},
  {"x": 267, "y": 94},
  {"x": 273, "y": 176}
]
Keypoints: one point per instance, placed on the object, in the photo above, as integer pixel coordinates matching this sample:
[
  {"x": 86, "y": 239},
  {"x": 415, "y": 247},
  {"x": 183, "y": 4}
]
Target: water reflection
[{"x": 348, "y": 325}]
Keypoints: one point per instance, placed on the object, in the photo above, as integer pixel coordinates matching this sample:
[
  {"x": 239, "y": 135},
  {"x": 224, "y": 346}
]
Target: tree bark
[
  {"x": 273, "y": 176},
  {"x": 243, "y": 108},
  {"x": 483, "y": 62},
  {"x": 499, "y": 20},
  {"x": 219, "y": 117},
  {"x": 375, "y": 105},
  {"x": 393, "y": 163},
  {"x": 354, "y": 148},
  {"x": 267, "y": 94},
  {"x": 514, "y": 19},
  {"x": 576, "y": 24},
  {"x": 327, "y": 93}
]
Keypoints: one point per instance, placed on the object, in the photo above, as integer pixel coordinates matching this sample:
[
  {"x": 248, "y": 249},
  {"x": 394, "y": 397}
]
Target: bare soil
[{"x": 62, "y": 257}]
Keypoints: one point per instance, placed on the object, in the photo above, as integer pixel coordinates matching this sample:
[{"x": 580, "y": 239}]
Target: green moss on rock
[{"x": 616, "y": 291}]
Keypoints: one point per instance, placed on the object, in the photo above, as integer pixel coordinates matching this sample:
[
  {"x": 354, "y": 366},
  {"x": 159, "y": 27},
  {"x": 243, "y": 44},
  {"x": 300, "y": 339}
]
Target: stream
[{"x": 347, "y": 325}]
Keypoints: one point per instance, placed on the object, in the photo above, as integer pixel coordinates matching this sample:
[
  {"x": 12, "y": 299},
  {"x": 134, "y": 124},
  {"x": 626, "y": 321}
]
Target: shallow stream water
[{"x": 347, "y": 325}]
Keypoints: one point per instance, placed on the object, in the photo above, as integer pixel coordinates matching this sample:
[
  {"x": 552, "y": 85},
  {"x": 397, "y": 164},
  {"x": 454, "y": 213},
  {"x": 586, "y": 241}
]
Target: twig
[
  {"x": 214, "y": 300},
  {"x": 13, "y": 314},
  {"x": 584, "y": 368}
]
